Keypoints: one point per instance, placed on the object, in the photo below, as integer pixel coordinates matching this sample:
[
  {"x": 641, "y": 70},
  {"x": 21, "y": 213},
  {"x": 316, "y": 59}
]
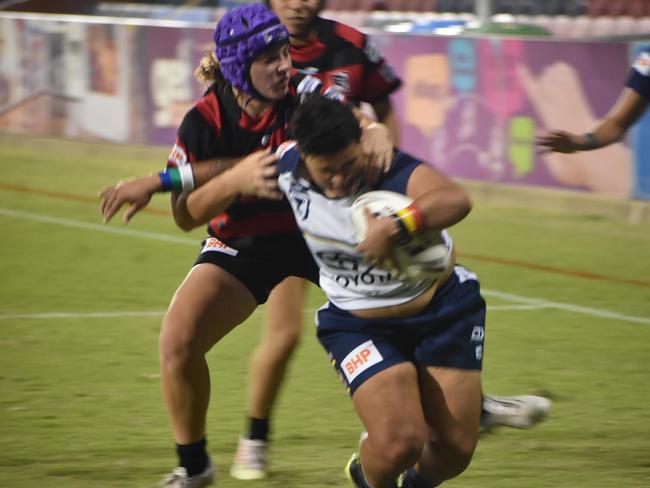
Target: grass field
[{"x": 81, "y": 304}]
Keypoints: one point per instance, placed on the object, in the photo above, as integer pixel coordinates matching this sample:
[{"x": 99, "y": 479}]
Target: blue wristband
[{"x": 166, "y": 180}]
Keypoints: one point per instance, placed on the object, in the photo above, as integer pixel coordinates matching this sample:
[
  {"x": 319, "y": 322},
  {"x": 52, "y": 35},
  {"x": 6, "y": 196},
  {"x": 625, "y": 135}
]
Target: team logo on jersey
[
  {"x": 342, "y": 80},
  {"x": 299, "y": 199},
  {"x": 350, "y": 270},
  {"x": 642, "y": 63},
  {"x": 309, "y": 84},
  {"x": 360, "y": 359},
  {"x": 214, "y": 244},
  {"x": 371, "y": 51},
  {"x": 387, "y": 73},
  {"x": 178, "y": 156},
  {"x": 336, "y": 93},
  {"x": 309, "y": 70}
]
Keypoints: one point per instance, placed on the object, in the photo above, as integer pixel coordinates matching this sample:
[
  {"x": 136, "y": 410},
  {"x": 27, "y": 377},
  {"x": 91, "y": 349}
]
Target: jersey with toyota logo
[{"x": 348, "y": 281}]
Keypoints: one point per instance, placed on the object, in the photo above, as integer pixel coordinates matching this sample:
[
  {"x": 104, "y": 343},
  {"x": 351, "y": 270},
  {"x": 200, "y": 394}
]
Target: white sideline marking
[
  {"x": 81, "y": 315},
  {"x": 524, "y": 301},
  {"x": 571, "y": 307},
  {"x": 160, "y": 313},
  {"x": 6, "y": 212},
  {"x": 498, "y": 308}
]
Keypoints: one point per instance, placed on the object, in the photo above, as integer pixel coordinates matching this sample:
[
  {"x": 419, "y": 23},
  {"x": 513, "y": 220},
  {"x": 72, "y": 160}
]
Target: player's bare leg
[
  {"x": 208, "y": 304},
  {"x": 389, "y": 405},
  {"x": 268, "y": 366}
]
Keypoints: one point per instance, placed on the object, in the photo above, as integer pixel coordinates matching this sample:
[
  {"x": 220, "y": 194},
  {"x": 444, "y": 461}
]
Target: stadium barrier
[{"x": 469, "y": 105}]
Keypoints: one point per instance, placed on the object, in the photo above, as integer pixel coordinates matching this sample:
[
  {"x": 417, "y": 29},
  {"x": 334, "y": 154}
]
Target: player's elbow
[
  {"x": 185, "y": 225},
  {"x": 462, "y": 203}
]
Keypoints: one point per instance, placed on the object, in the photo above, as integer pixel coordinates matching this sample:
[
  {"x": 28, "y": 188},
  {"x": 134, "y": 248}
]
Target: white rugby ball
[{"x": 426, "y": 254}]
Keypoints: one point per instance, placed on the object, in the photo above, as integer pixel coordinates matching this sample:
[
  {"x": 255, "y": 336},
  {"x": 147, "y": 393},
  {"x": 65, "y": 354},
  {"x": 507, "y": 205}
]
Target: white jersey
[{"x": 348, "y": 281}]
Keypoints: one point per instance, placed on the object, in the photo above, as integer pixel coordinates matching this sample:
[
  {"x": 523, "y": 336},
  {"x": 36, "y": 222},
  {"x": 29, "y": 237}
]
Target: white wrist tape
[{"x": 187, "y": 177}]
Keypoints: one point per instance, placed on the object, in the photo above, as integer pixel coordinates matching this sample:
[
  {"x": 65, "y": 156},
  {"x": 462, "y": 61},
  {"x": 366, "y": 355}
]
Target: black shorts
[{"x": 261, "y": 262}]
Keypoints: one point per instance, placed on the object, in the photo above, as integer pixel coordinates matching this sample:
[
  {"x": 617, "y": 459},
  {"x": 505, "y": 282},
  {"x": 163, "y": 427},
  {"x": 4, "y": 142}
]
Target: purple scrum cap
[{"x": 240, "y": 36}]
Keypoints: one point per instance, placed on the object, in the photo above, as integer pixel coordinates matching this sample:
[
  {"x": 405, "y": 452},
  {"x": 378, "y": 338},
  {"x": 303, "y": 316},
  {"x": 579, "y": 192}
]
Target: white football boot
[
  {"x": 519, "y": 412},
  {"x": 179, "y": 479},
  {"x": 250, "y": 460}
]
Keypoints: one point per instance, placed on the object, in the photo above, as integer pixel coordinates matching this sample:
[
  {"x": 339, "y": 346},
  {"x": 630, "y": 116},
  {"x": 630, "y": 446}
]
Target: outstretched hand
[
  {"x": 559, "y": 141},
  {"x": 135, "y": 192}
]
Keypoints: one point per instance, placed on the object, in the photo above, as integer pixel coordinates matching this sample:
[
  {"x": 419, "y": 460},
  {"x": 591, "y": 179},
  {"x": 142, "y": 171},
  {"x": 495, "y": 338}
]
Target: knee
[
  {"x": 459, "y": 454},
  {"x": 177, "y": 349},
  {"x": 401, "y": 446},
  {"x": 282, "y": 342}
]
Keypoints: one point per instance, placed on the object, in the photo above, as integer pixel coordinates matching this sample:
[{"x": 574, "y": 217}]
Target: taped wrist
[{"x": 177, "y": 179}]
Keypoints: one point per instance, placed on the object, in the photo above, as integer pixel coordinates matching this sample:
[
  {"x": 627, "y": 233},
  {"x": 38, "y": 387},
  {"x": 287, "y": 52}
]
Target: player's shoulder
[
  {"x": 207, "y": 111},
  {"x": 397, "y": 177},
  {"x": 642, "y": 62},
  {"x": 288, "y": 157},
  {"x": 331, "y": 29},
  {"x": 402, "y": 161}
]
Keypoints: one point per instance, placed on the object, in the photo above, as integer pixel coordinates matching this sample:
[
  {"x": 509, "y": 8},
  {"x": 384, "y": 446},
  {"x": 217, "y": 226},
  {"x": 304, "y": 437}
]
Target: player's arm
[
  {"x": 137, "y": 192},
  {"x": 377, "y": 146},
  {"x": 386, "y": 115},
  {"x": 202, "y": 172},
  {"x": 256, "y": 175},
  {"x": 440, "y": 201},
  {"x": 627, "y": 110}
]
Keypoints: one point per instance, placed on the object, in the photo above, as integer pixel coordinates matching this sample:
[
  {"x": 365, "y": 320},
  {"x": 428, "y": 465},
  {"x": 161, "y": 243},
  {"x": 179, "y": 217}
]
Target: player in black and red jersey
[
  {"x": 343, "y": 57},
  {"x": 254, "y": 243}
]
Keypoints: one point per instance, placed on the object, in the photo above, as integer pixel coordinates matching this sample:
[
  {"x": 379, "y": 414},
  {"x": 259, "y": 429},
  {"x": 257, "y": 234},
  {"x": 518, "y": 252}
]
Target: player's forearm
[
  {"x": 204, "y": 171},
  {"x": 605, "y": 133},
  {"x": 443, "y": 207},
  {"x": 627, "y": 110},
  {"x": 211, "y": 199},
  {"x": 386, "y": 115}
]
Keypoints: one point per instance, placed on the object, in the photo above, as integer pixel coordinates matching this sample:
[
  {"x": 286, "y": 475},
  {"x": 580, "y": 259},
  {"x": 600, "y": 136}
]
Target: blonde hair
[{"x": 209, "y": 71}]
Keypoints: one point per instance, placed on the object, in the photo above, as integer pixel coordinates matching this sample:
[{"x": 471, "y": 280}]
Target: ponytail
[{"x": 208, "y": 71}]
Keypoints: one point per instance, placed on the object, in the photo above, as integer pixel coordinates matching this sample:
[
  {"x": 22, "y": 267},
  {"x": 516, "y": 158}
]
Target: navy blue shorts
[
  {"x": 261, "y": 262},
  {"x": 448, "y": 333}
]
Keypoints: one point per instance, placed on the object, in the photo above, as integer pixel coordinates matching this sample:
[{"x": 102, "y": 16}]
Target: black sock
[
  {"x": 193, "y": 457},
  {"x": 258, "y": 429},
  {"x": 412, "y": 479}
]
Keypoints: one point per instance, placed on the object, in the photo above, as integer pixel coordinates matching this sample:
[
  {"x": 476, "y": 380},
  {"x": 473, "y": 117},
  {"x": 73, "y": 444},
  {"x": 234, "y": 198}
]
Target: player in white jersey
[{"x": 409, "y": 351}]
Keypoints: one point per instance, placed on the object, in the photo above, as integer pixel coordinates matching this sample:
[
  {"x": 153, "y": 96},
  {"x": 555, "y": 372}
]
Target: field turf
[{"x": 81, "y": 304}]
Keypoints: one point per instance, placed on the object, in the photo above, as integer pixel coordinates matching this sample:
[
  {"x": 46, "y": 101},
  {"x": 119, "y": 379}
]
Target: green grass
[{"x": 80, "y": 397}]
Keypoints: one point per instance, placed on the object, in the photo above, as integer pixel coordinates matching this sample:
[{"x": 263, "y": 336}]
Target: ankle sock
[
  {"x": 258, "y": 429},
  {"x": 193, "y": 457}
]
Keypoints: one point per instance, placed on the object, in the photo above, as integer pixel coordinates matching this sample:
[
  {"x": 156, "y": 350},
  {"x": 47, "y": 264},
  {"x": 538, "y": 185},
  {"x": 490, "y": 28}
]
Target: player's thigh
[
  {"x": 207, "y": 305},
  {"x": 390, "y": 400},
  {"x": 451, "y": 399},
  {"x": 284, "y": 308}
]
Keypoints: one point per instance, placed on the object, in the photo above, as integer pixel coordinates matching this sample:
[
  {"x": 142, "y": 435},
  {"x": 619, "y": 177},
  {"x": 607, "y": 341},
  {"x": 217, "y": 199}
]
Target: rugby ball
[{"x": 425, "y": 256}]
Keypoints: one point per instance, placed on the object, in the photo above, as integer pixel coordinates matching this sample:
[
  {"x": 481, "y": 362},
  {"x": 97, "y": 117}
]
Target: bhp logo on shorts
[
  {"x": 213, "y": 244},
  {"x": 360, "y": 359}
]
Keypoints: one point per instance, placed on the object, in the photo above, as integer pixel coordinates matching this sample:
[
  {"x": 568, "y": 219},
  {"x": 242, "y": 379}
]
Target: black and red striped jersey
[
  {"x": 217, "y": 127},
  {"x": 344, "y": 57}
]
